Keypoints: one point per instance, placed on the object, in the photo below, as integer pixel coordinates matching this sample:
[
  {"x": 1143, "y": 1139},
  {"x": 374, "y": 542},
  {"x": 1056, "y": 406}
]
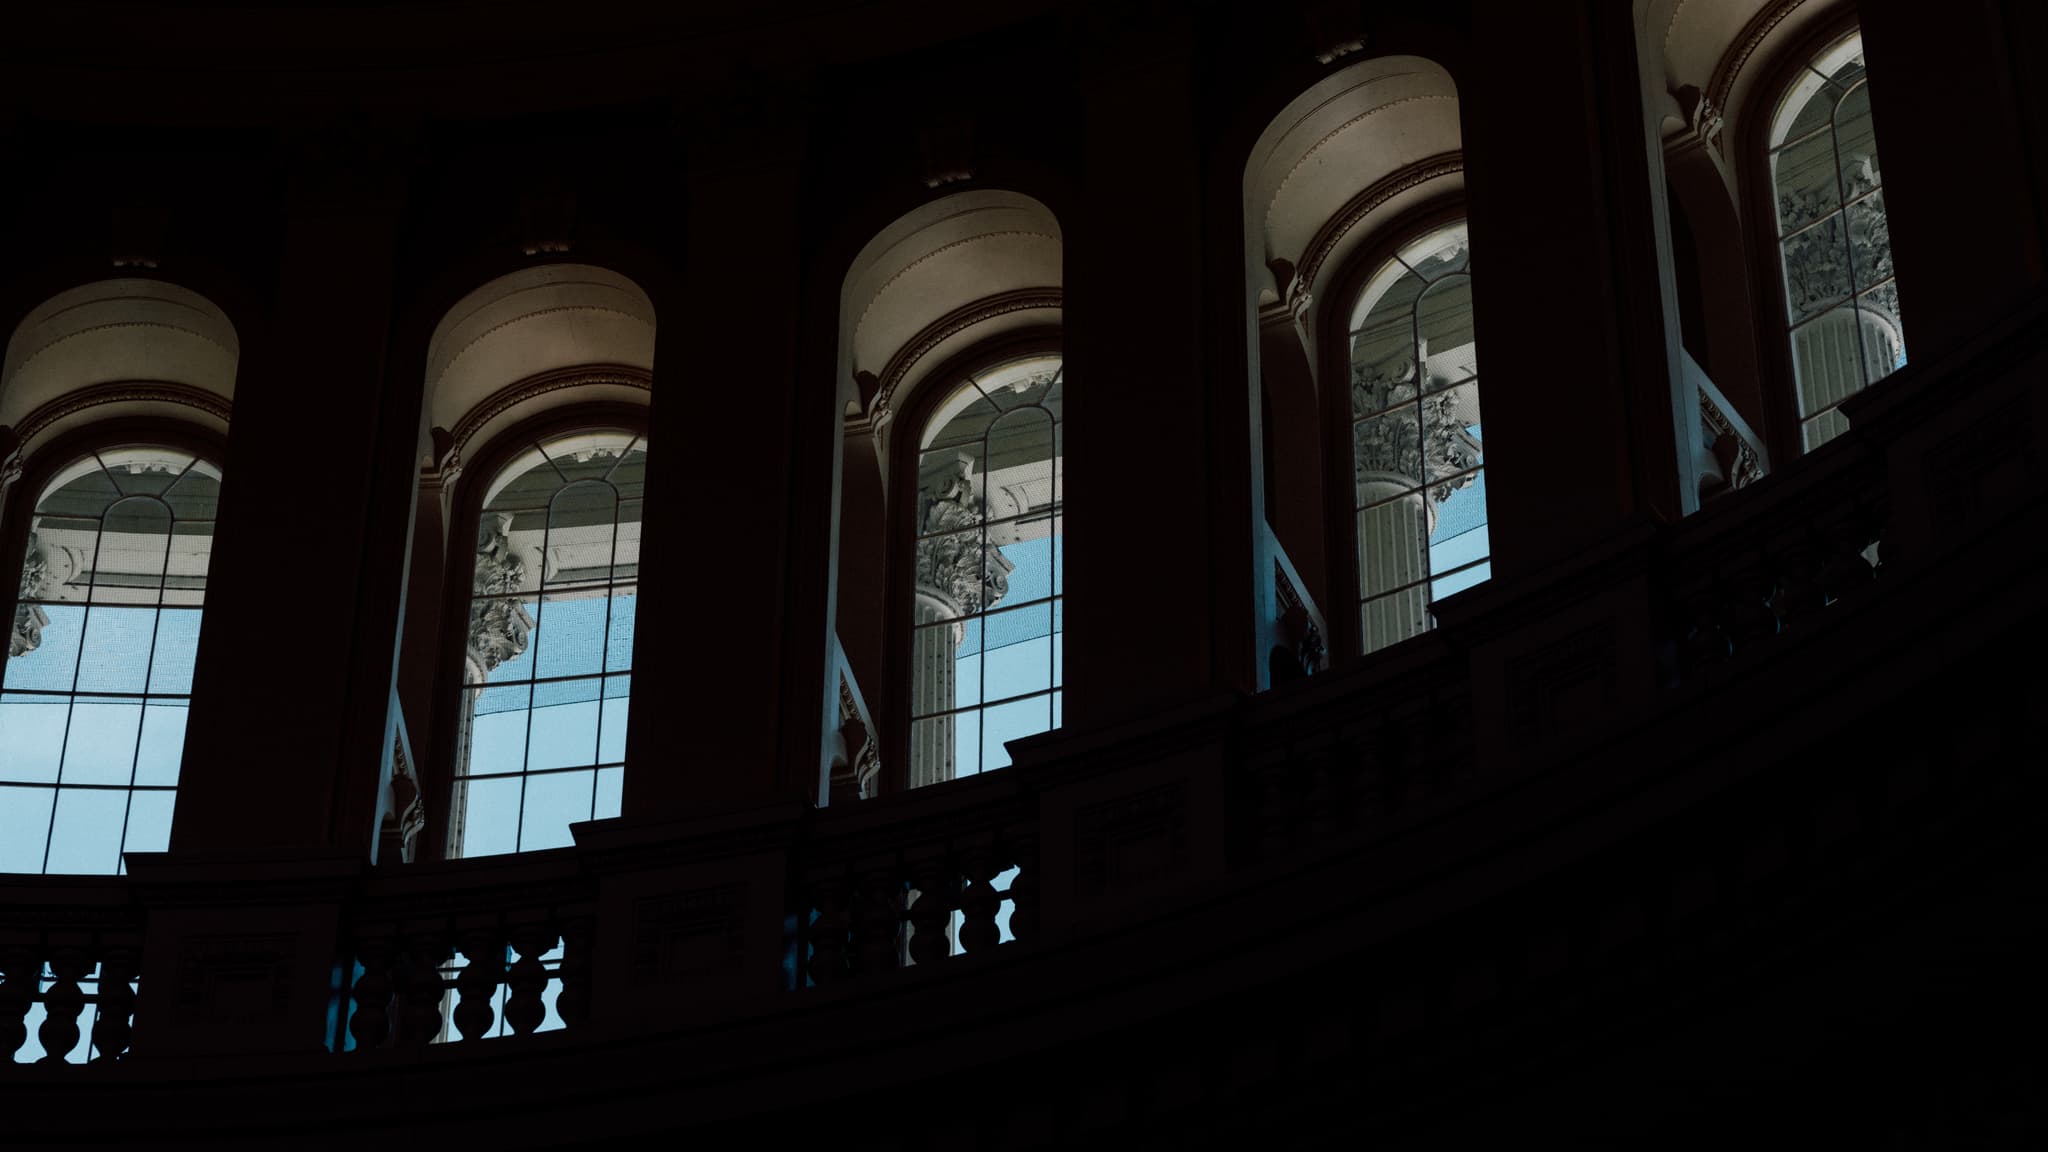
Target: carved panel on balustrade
[
  {"x": 685, "y": 935},
  {"x": 235, "y": 981},
  {"x": 1131, "y": 841}
]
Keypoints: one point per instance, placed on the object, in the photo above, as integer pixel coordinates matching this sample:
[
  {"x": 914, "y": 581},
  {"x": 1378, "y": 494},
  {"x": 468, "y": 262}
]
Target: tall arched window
[
  {"x": 1842, "y": 305},
  {"x": 547, "y": 673},
  {"x": 986, "y": 652},
  {"x": 99, "y": 659},
  {"x": 1420, "y": 497}
]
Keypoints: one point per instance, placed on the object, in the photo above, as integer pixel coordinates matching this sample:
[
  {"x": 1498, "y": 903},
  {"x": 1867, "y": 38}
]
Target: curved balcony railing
[{"x": 1089, "y": 834}]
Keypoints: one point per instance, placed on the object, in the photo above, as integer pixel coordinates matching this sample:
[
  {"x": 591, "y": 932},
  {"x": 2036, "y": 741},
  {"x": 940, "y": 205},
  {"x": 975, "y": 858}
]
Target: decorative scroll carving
[
  {"x": 864, "y": 761},
  {"x": 1821, "y": 263},
  {"x": 1439, "y": 453},
  {"x": 1303, "y": 650},
  {"x": 498, "y": 627},
  {"x": 1747, "y": 467},
  {"x": 406, "y": 800},
  {"x": 957, "y": 565},
  {"x": 30, "y": 619},
  {"x": 1702, "y": 116}
]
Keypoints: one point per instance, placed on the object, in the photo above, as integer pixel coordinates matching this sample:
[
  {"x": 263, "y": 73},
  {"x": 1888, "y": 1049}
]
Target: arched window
[
  {"x": 1842, "y": 305},
  {"x": 99, "y": 659},
  {"x": 547, "y": 670},
  {"x": 986, "y": 651},
  {"x": 1420, "y": 496}
]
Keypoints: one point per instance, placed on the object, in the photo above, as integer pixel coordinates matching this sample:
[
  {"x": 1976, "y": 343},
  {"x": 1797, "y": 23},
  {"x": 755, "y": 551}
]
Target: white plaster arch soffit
[
  {"x": 952, "y": 273},
  {"x": 511, "y": 349},
  {"x": 1720, "y": 49},
  {"x": 1361, "y": 146},
  {"x": 123, "y": 347}
]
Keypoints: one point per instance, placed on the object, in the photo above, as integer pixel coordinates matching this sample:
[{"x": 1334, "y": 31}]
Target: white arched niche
[
  {"x": 1713, "y": 50},
  {"x": 953, "y": 273},
  {"x": 533, "y": 340},
  {"x": 126, "y": 347},
  {"x": 1361, "y": 147}
]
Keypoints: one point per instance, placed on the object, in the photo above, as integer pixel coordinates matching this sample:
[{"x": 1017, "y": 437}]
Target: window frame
[
  {"x": 1759, "y": 198},
  {"x": 899, "y": 574},
  {"x": 459, "y": 576},
  {"x": 1344, "y": 612},
  {"x": 48, "y": 459}
]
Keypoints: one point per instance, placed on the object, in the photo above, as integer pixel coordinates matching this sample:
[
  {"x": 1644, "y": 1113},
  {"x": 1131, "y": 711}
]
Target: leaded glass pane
[
  {"x": 99, "y": 665},
  {"x": 550, "y": 671},
  {"x": 985, "y": 651}
]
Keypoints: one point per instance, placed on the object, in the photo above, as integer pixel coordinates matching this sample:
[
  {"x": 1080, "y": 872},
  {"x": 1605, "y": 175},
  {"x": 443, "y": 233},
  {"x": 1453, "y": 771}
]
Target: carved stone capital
[
  {"x": 959, "y": 566},
  {"x": 498, "y": 628},
  {"x": 1414, "y": 444},
  {"x": 29, "y": 619}
]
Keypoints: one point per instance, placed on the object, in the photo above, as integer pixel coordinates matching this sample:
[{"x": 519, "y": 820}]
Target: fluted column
[
  {"x": 1393, "y": 550},
  {"x": 933, "y": 652}
]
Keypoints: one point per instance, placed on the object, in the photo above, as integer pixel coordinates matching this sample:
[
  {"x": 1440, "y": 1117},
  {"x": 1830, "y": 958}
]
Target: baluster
[
  {"x": 484, "y": 949},
  {"x": 980, "y": 903},
  {"x": 1024, "y": 886},
  {"x": 64, "y": 1001},
  {"x": 878, "y": 918},
  {"x": 527, "y": 979},
  {"x": 1748, "y": 607},
  {"x": 20, "y": 971},
  {"x": 932, "y": 913},
  {"x": 111, "y": 1029},
  {"x": 572, "y": 1003},
  {"x": 420, "y": 990},
  {"x": 371, "y": 1024},
  {"x": 828, "y": 932}
]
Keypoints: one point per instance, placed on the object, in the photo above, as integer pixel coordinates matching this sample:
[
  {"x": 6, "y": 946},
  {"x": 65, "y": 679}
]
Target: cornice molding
[
  {"x": 952, "y": 324},
  {"x": 1302, "y": 160},
  {"x": 1753, "y": 36},
  {"x": 1355, "y": 210},
  {"x": 942, "y": 249},
  {"x": 121, "y": 392},
  {"x": 470, "y": 344},
  {"x": 532, "y": 388}
]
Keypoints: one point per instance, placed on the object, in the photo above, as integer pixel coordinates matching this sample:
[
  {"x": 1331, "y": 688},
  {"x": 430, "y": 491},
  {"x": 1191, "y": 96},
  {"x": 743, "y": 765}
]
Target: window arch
[
  {"x": 1419, "y": 495},
  {"x": 1834, "y": 246},
  {"x": 99, "y": 661},
  {"x": 548, "y": 657},
  {"x": 987, "y": 558}
]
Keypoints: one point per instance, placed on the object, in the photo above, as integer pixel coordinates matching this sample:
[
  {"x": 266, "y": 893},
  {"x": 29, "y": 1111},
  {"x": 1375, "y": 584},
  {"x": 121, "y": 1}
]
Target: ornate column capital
[
  {"x": 1411, "y": 443},
  {"x": 29, "y": 619},
  {"x": 957, "y": 567},
  {"x": 498, "y": 628}
]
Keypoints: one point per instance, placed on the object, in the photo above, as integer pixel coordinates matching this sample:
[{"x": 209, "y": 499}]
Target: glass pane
[
  {"x": 611, "y": 742},
  {"x": 59, "y": 561},
  {"x": 501, "y": 637},
  {"x": 1394, "y": 618},
  {"x": 115, "y": 657},
  {"x": 629, "y": 476},
  {"x": 571, "y": 637},
  {"x": 949, "y": 576},
  {"x": 1827, "y": 359},
  {"x": 1884, "y": 349},
  {"x": 966, "y": 730},
  {"x": 185, "y": 572},
  {"x": 1823, "y": 428},
  {"x": 497, "y": 730},
  {"x": 618, "y": 648},
  {"x": 100, "y": 746},
  {"x": 1460, "y": 535},
  {"x": 149, "y": 821},
  {"x": 1383, "y": 366},
  {"x": 934, "y": 647},
  {"x": 1438, "y": 254},
  {"x": 1459, "y": 581},
  {"x": 610, "y": 792},
  {"x": 1017, "y": 656},
  {"x": 961, "y": 421},
  {"x": 1856, "y": 143},
  {"x": 626, "y": 541},
  {"x": 1017, "y": 474},
  {"x": 176, "y": 649},
  {"x": 490, "y": 816},
  {"x": 1030, "y": 575},
  {"x": 1816, "y": 269},
  {"x": 587, "y": 455},
  {"x": 562, "y": 732},
  {"x": 86, "y": 837},
  {"x": 1870, "y": 241},
  {"x": 1005, "y": 722},
  {"x": 163, "y": 744},
  {"x": 24, "y": 827},
  {"x": 1059, "y": 555},
  {"x": 950, "y": 486},
  {"x": 508, "y": 554},
  {"x": 1058, "y": 704},
  {"x": 579, "y": 545},
  {"x": 935, "y": 748},
  {"x": 53, "y": 664},
  {"x": 1387, "y": 450},
  {"x": 129, "y": 567},
  {"x": 1804, "y": 176},
  {"x": 144, "y": 471},
  {"x": 1453, "y": 421},
  {"x": 1445, "y": 321},
  {"x": 1393, "y": 540},
  {"x": 554, "y": 800},
  {"x": 196, "y": 495},
  {"x": 31, "y": 737},
  {"x": 1059, "y": 642}
]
